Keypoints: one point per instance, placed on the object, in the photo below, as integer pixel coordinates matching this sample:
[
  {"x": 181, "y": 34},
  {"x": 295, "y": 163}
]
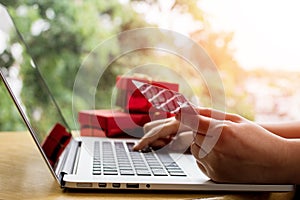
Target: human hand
[
  {"x": 242, "y": 151},
  {"x": 164, "y": 132}
]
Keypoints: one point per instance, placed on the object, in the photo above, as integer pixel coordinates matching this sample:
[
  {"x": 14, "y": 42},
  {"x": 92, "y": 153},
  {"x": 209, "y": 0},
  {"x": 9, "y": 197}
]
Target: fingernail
[
  {"x": 202, "y": 153},
  {"x": 135, "y": 147}
]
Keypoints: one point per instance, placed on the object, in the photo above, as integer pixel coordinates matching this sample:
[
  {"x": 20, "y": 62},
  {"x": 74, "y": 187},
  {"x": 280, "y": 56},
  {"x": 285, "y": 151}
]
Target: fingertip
[
  {"x": 139, "y": 146},
  {"x": 136, "y": 147}
]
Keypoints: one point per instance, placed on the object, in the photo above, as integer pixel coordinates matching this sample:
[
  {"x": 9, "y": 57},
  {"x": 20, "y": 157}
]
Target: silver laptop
[{"x": 104, "y": 163}]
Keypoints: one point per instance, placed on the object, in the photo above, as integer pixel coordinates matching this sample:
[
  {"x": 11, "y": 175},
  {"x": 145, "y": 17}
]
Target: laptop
[{"x": 98, "y": 162}]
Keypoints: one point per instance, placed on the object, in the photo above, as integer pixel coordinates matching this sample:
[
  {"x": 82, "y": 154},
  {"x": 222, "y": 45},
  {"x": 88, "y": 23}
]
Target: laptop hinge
[{"x": 68, "y": 160}]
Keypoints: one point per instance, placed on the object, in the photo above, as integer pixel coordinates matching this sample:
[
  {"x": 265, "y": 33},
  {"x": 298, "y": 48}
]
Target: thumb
[{"x": 189, "y": 117}]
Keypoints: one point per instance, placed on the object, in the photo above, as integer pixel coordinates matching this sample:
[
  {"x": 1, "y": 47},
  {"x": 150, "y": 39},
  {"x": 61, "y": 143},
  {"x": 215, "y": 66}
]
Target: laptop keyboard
[{"x": 118, "y": 158}]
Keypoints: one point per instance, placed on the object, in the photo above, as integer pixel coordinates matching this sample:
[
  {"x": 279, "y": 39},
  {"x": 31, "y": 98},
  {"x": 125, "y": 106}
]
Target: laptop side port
[
  {"x": 132, "y": 185},
  {"x": 116, "y": 185},
  {"x": 102, "y": 185},
  {"x": 84, "y": 185}
]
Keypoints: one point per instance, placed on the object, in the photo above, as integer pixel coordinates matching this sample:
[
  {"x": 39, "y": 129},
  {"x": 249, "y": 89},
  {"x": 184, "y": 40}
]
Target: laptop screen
[{"x": 29, "y": 90}]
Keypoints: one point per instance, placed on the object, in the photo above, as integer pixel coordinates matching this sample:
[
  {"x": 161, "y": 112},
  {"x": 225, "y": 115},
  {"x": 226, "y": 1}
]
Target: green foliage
[
  {"x": 60, "y": 35},
  {"x": 6, "y": 59},
  {"x": 9, "y": 118},
  {"x": 68, "y": 31}
]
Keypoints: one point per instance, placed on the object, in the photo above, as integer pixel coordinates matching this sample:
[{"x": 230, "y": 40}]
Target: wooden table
[{"x": 24, "y": 175}]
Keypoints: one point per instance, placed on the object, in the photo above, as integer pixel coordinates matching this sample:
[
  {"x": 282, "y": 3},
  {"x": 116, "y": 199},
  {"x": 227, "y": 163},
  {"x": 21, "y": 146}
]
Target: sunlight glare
[{"x": 266, "y": 32}]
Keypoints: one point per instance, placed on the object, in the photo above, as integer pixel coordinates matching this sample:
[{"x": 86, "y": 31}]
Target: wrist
[{"x": 292, "y": 167}]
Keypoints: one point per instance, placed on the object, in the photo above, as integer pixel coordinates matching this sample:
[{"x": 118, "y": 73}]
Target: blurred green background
[{"x": 69, "y": 30}]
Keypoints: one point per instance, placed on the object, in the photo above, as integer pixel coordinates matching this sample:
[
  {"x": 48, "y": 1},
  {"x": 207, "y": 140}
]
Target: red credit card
[{"x": 162, "y": 98}]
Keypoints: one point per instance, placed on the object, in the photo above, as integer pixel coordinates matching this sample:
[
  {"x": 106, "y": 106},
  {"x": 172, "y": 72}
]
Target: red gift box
[
  {"x": 130, "y": 98},
  {"x": 55, "y": 143},
  {"x": 113, "y": 123},
  {"x": 86, "y": 130}
]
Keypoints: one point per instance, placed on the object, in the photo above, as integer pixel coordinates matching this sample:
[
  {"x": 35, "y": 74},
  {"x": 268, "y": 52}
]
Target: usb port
[
  {"x": 132, "y": 185},
  {"x": 116, "y": 185},
  {"x": 102, "y": 185}
]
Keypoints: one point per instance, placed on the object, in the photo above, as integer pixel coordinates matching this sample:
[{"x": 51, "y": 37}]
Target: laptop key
[
  {"x": 141, "y": 172},
  {"x": 97, "y": 172},
  {"x": 159, "y": 172},
  {"x": 130, "y": 146},
  {"x": 126, "y": 172},
  {"x": 107, "y": 171},
  {"x": 177, "y": 173},
  {"x": 110, "y": 172}
]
